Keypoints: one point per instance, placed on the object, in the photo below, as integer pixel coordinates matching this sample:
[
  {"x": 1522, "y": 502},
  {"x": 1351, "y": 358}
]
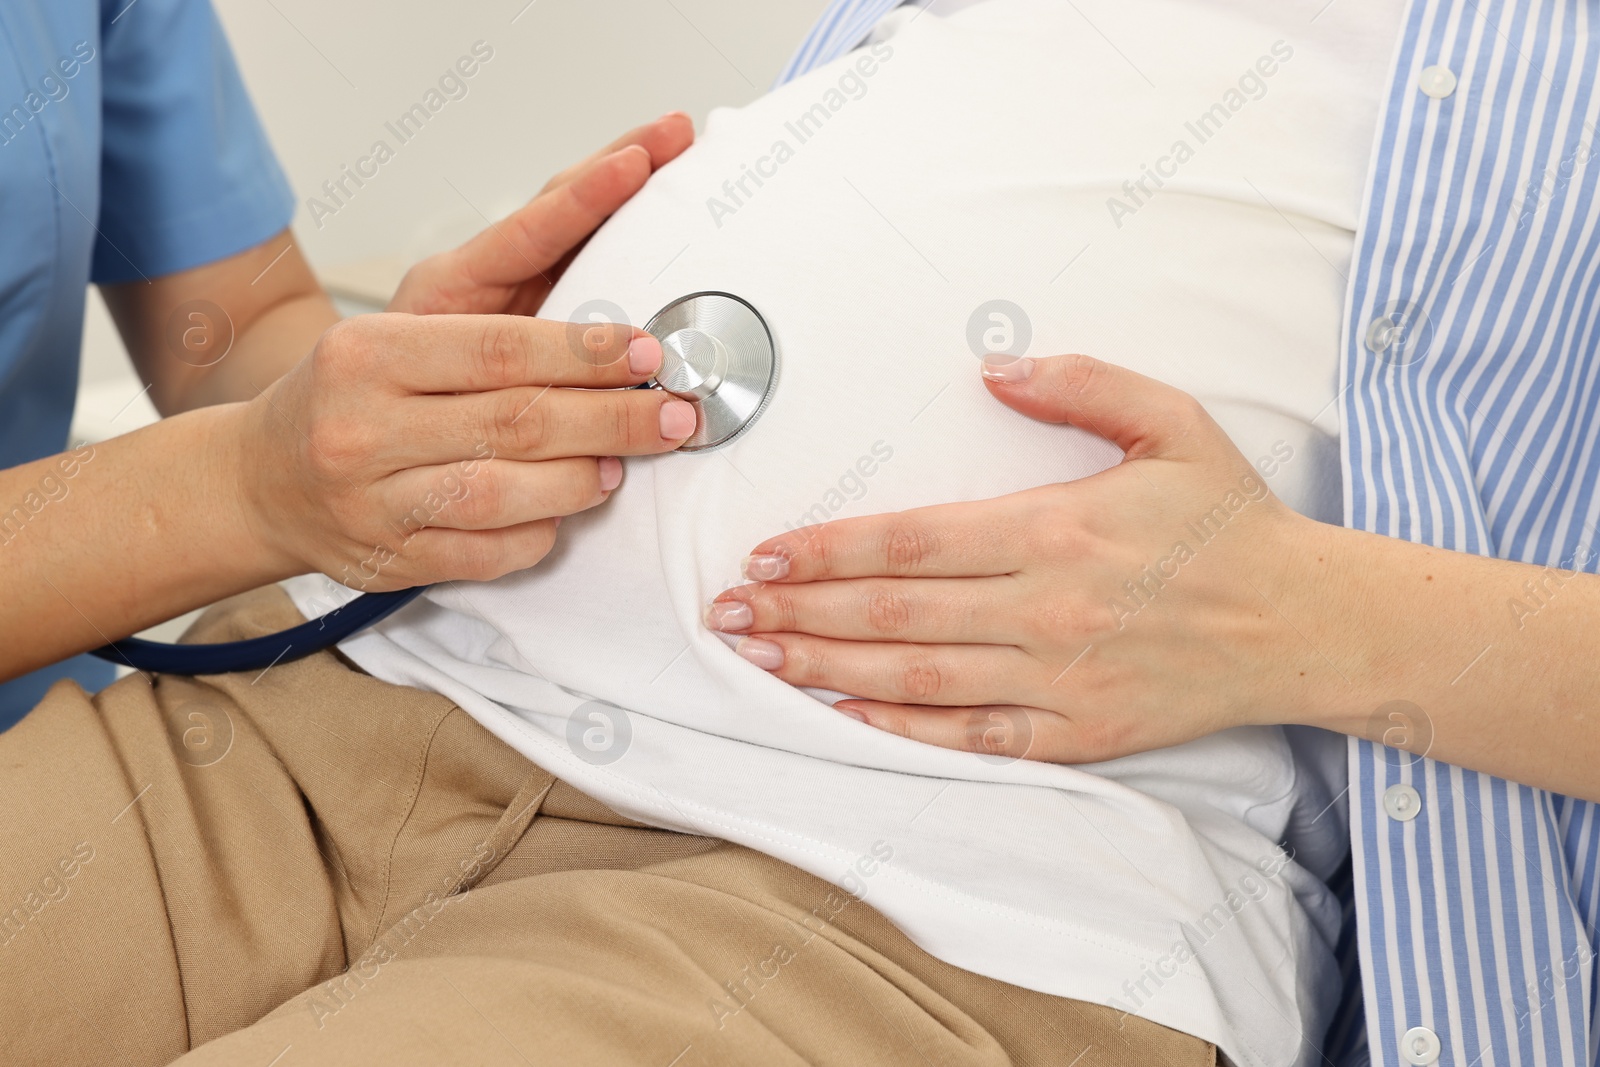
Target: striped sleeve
[{"x": 1471, "y": 381}]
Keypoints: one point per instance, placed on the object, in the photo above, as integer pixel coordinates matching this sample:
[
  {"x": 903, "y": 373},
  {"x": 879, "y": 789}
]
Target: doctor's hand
[
  {"x": 510, "y": 268},
  {"x": 411, "y": 449},
  {"x": 1138, "y": 608},
  {"x": 448, "y": 441}
]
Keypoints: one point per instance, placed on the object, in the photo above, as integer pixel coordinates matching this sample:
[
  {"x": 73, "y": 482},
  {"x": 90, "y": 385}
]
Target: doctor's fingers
[
  {"x": 472, "y": 555},
  {"x": 531, "y": 241},
  {"x": 538, "y": 423},
  {"x": 534, "y": 242},
  {"x": 664, "y": 138},
  {"x": 413, "y": 354},
  {"x": 494, "y": 494},
  {"x": 901, "y": 673},
  {"x": 922, "y": 610}
]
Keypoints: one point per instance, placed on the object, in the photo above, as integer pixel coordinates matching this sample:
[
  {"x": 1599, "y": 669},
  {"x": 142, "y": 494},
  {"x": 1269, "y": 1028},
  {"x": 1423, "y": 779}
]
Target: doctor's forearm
[
  {"x": 1483, "y": 663},
  {"x": 102, "y": 542},
  {"x": 223, "y": 331},
  {"x": 262, "y": 353}
]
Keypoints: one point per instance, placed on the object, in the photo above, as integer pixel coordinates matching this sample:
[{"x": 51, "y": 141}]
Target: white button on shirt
[
  {"x": 1420, "y": 1046},
  {"x": 1437, "y": 82},
  {"x": 1402, "y": 802}
]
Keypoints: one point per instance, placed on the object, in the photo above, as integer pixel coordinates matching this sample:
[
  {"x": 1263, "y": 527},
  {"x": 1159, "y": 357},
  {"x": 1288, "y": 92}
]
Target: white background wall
[{"x": 566, "y": 77}]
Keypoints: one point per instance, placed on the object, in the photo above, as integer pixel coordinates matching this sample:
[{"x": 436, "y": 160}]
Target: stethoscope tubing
[{"x": 259, "y": 653}]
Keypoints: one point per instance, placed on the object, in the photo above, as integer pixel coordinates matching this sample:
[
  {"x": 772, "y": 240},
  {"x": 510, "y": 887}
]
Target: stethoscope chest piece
[{"x": 716, "y": 353}]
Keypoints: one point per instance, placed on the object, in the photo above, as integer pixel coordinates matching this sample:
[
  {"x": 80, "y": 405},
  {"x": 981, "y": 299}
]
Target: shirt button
[
  {"x": 1420, "y": 1046},
  {"x": 1402, "y": 802},
  {"x": 1437, "y": 82}
]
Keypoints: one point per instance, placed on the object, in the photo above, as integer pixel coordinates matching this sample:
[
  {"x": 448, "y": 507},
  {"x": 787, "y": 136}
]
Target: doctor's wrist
[{"x": 246, "y": 521}]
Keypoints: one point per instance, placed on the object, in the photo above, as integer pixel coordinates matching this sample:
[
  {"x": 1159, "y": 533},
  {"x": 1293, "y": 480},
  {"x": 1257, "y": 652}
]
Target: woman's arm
[
  {"x": 404, "y": 449},
  {"x": 226, "y": 330},
  {"x": 223, "y": 331},
  {"x": 1084, "y": 621},
  {"x": 105, "y": 540},
  {"x": 1499, "y": 659}
]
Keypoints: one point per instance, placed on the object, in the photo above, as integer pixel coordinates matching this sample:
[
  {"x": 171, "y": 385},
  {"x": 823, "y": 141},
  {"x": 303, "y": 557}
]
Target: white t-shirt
[{"x": 1168, "y": 184}]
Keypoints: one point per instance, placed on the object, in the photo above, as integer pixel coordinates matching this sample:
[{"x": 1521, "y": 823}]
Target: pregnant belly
[
  {"x": 892, "y": 223},
  {"x": 892, "y": 220}
]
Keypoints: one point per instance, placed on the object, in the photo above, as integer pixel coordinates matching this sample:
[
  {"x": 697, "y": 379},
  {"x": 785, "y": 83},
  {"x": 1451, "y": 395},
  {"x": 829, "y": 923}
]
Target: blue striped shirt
[{"x": 1468, "y": 421}]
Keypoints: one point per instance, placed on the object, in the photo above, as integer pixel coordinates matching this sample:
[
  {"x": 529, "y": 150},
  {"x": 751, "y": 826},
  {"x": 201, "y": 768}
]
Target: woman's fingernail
[
  {"x": 677, "y": 420},
  {"x": 730, "y": 616},
  {"x": 852, "y": 712},
  {"x": 644, "y": 355},
  {"x": 999, "y": 367},
  {"x": 768, "y": 655},
  {"x": 766, "y": 568},
  {"x": 610, "y": 473}
]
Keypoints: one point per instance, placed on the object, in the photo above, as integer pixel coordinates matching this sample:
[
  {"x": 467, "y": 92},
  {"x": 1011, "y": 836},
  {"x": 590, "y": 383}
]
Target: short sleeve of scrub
[
  {"x": 128, "y": 150},
  {"x": 186, "y": 171}
]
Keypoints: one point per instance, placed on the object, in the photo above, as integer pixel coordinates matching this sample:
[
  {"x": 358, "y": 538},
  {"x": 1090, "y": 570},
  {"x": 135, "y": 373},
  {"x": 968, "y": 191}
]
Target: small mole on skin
[{"x": 1430, "y": 577}]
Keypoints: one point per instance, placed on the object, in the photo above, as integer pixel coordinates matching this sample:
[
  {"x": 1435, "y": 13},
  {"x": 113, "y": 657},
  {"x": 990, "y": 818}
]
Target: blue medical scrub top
[{"x": 128, "y": 150}]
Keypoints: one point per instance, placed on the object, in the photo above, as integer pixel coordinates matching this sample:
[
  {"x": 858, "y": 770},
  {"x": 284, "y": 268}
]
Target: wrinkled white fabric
[{"x": 964, "y": 160}]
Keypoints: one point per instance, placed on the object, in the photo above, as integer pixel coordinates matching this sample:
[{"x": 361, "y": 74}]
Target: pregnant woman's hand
[
  {"x": 446, "y": 442},
  {"x": 1138, "y": 608}
]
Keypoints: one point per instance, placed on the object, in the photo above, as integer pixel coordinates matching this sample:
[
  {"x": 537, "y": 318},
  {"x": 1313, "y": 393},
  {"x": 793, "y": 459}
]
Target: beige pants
[{"x": 316, "y": 867}]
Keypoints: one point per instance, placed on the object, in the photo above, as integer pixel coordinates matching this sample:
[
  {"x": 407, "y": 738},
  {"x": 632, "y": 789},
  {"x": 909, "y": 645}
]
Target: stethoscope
[{"x": 716, "y": 353}]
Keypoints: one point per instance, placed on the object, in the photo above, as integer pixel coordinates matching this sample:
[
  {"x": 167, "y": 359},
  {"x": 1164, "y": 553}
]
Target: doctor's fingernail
[
  {"x": 766, "y": 568},
  {"x": 644, "y": 355},
  {"x": 999, "y": 367},
  {"x": 730, "y": 616},
  {"x": 677, "y": 420},
  {"x": 768, "y": 655},
  {"x": 610, "y": 473}
]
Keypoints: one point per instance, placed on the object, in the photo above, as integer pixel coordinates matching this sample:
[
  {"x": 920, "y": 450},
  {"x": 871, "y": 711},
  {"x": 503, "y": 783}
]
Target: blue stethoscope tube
[{"x": 259, "y": 653}]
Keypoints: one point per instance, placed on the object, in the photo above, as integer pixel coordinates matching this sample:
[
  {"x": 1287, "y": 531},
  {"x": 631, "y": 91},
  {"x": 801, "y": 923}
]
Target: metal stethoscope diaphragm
[{"x": 716, "y": 353}]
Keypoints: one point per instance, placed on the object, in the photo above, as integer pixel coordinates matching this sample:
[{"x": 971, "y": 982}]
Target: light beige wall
[{"x": 566, "y": 76}]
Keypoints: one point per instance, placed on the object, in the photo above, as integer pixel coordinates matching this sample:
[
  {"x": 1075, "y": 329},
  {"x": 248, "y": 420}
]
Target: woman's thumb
[{"x": 1139, "y": 415}]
